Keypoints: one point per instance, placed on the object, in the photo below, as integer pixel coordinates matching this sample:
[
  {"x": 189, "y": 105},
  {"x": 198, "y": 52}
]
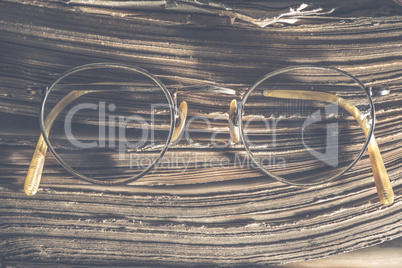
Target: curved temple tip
[
  {"x": 34, "y": 174},
  {"x": 384, "y": 189},
  {"x": 382, "y": 182},
  {"x": 381, "y": 179},
  {"x": 388, "y": 201},
  {"x": 386, "y": 196},
  {"x": 181, "y": 122}
]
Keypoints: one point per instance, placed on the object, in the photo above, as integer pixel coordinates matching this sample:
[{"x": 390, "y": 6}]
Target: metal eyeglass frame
[{"x": 236, "y": 110}]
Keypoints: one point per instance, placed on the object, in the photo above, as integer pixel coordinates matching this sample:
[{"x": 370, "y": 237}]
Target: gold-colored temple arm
[
  {"x": 382, "y": 182},
  {"x": 34, "y": 174},
  {"x": 35, "y": 170}
]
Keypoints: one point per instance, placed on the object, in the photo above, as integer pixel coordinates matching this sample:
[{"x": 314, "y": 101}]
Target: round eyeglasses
[{"x": 303, "y": 126}]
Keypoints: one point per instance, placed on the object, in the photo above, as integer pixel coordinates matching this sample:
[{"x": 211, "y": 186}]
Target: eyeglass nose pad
[
  {"x": 233, "y": 121},
  {"x": 181, "y": 121}
]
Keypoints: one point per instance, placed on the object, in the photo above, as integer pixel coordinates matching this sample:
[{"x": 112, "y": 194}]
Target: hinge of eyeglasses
[
  {"x": 34, "y": 88},
  {"x": 379, "y": 91},
  {"x": 176, "y": 110}
]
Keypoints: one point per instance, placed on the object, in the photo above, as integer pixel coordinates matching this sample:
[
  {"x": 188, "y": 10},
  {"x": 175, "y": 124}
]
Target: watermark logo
[
  {"x": 330, "y": 156},
  {"x": 112, "y": 130}
]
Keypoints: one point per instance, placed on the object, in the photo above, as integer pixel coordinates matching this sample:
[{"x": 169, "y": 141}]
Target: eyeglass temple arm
[
  {"x": 34, "y": 174},
  {"x": 381, "y": 179},
  {"x": 35, "y": 170}
]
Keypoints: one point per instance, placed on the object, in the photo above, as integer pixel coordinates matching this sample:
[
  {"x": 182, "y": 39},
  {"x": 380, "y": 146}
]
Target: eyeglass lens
[
  {"x": 115, "y": 129},
  {"x": 297, "y": 127}
]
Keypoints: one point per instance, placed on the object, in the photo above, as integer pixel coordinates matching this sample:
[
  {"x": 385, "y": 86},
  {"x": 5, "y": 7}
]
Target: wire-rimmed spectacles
[{"x": 302, "y": 112}]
